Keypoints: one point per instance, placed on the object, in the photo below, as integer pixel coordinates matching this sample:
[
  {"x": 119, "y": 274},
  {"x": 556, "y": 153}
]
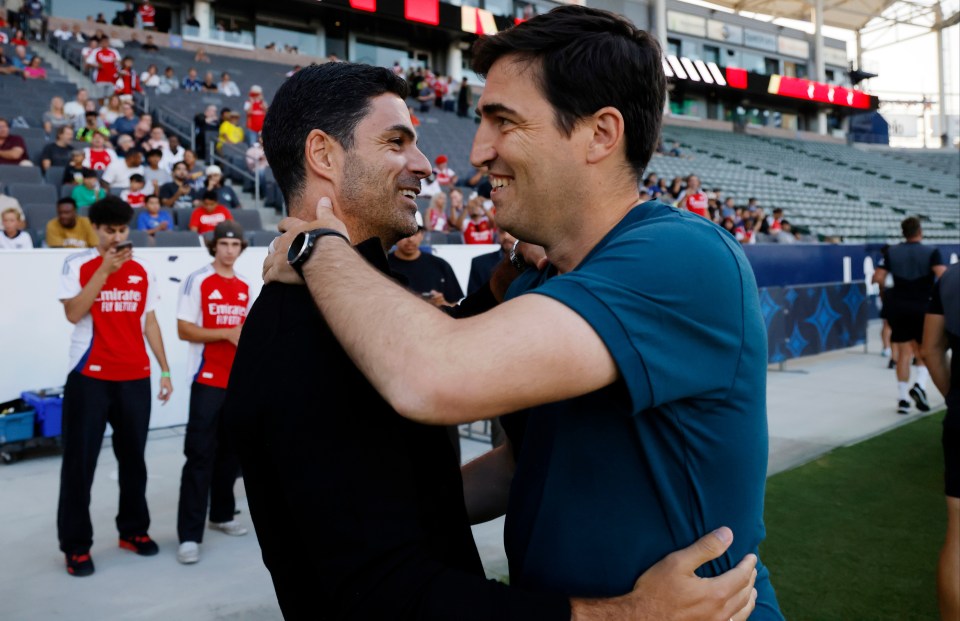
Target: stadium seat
[
  {"x": 21, "y": 174},
  {"x": 181, "y": 217},
  {"x": 38, "y": 192},
  {"x": 54, "y": 175},
  {"x": 38, "y": 215},
  {"x": 177, "y": 239},
  {"x": 262, "y": 238},
  {"x": 140, "y": 239},
  {"x": 66, "y": 189},
  {"x": 249, "y": 219}
]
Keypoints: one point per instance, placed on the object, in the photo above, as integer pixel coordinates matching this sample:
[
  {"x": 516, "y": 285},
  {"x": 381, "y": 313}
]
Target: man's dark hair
[
  {"x": 90, "y": 113},
  {"x": 154, "y": 153},
  {"x": 585, "y": 59},
  {"x": 67, "y": 200},
  {"x": 88, "y": 173},
  {"x": 62, "y": 129},
  {"x": 910, "y": 227},
  {"x": 137, "y": 177},
  {"x": 110, "y": 210},
  {"x": 210, "y": 195},
  {"x": 332, "y": 97}
]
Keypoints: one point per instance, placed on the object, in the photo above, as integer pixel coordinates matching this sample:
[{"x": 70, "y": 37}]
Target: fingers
[
  {"x": 707, "y": 548},
  {"x": 745, "y": 612},
  {"x": 324, "y": 206}
]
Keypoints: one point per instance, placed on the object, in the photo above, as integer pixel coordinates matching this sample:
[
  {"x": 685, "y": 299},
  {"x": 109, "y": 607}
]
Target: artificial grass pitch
[{"x": 855, "y": 535}]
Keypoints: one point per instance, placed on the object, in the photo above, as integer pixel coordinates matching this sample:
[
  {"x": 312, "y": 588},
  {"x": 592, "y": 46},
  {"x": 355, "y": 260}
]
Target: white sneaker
[
  {"x": 232, "y": 528},
  {"x": 188, "y": 552}
]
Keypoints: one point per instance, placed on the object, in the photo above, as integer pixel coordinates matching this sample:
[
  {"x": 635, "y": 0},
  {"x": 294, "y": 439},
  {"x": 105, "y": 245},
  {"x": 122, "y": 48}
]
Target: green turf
[{"x": 854, "y": 535}]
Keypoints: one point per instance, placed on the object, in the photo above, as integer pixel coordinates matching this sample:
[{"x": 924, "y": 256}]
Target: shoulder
[
  {"x": 75, "y": 260},
  {"x": 196, "y": 278}
]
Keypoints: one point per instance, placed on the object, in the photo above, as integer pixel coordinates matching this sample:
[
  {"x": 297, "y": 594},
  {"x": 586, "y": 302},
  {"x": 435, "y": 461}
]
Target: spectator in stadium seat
[
  {"x": 675, "y": 190},
  {"x": 230, "y": 131},
  {"x": 179, "y": 192},
  {"x": 256, "y": 108},
  {"x": 155, "y": 175},
  {"x": 772, "y": 223},
  {"x": 55, "y": 117},
  {"x": 196, "y": 170},
  {"x": 192, "y": 82},
  {"x": 446, "y": 176},
  {"x": 424, "y": 96},
  {"x": 135, "y": 195},
  {"x": 227, "y": 87},
  {"x": 151, "y": 77},
  {"x": 91, "y": 128},
  {"x": 69, "y": 230},
  {"x": 941, "y": 333},
  {"x": 34, "y": 70},
  {"x": 125, "y": 144},
  {"x": 57, "y": 153},
  {"x": 209, "y": 214},
  {"x": 478, "y": 226},
  {"x": 13, "y": 237},
  {"x": 201, "y": 56},
  {"x": 729, "y": 208},
  {"x": 693, "y": 199},
  {"x": 106, "y": 61},
  {"x": 157, "y": 139},
  {"x": 427, "y": 275},
  {"x": 13, "y": 151},
  {"x": 168, "y": 83},
  {"x": 76, "y": 109},
  {"x": 213, "y": 181},
  {"x": 150, "y": 46},
  {"x": 437, "y": 219},
  {"x": 915, "y": 267},
  {"x": 128, "y": 82},
  {"x": 207, "y": 126},
  {"x": 209, "y": 84},
  {"x": 257, "y": 162},
  {"x": 21, "y": 59},
  {"x": 172, "y": 152},
  {"x": 111, "y": 111},
  {"x": 19, "y": 38},
  {"x": 786, "y": 234},
  {"x": 126, "y": 122},
  {"x": 73, "y": 173},
  {"x": 6, "y": 67},
  {"x": 154, "y": 219},
  {"x": 88, "y": 192},
  {"x": 117, "y": 174},
  {"x": 98, "y": 155}
]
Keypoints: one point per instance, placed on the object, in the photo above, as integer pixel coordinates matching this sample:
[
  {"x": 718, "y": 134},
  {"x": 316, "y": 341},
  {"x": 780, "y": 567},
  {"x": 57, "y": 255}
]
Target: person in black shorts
[
  {"x": 941, "y": 331},
  {"x": 914, "y": 268}
]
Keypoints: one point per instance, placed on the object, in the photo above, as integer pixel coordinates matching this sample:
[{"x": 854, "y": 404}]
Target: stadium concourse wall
[{"x": 37, "y": 335}]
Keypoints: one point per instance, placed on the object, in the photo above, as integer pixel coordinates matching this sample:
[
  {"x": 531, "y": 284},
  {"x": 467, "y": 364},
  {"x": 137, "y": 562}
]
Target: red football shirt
[
  {"x": 696, "y": 203},
  {"x": 212, "y": 301},
  {"x": 97, "y": 159},
  {"x": 147, "y": 16},
  {"x": 108, "y": 342},
  {"x": 256, "y": 113},
  {"x": 480, "y": 232},
  {"x": 106, "y": 61},
  {"x": 207, "y": 221}
]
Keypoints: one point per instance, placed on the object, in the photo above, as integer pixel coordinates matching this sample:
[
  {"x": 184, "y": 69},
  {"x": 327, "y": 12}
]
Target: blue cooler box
[
  {"x": 48, "y": 403},
  {"x": 17, "y": 425}
]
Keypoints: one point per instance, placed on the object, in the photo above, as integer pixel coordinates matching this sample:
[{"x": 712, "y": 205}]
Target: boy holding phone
[{"x": 110, "y": 298}]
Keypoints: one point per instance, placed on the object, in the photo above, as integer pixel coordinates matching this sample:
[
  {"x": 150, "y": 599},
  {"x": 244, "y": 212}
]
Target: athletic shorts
[
  {"x": 102, "y": 90},
  {"x": 905, "y": 326},
  {"x": 951, "y": 460}
]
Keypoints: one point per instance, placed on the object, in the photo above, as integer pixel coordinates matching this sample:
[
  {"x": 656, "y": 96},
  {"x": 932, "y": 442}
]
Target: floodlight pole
[
  {"x": 819, "y": 71},
  {"x": 941, "y": 88},
  {"x": 660, "y": 25}
]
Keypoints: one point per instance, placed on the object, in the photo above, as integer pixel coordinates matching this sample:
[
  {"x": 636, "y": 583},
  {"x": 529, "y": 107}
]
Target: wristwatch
[
  {"x": 515, "y": 259},
  {"x": 303, "y": 245}
]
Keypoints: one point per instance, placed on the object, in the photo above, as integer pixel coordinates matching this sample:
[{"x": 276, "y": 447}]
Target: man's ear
[
  {"x": 608, "y": 128},
  {"x": 322, "y": 155}
]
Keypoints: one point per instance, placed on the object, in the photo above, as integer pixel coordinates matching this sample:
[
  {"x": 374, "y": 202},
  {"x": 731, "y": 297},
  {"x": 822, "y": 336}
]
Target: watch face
[{"x": 296, "y": 247}]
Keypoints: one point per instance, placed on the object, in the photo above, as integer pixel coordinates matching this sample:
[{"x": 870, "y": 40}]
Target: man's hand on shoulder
[
  {"x": 671, "y": 591},
  {"x": 275, "y": 266}
]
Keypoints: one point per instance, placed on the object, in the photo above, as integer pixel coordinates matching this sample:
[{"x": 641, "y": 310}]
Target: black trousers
[
  {"x": 88, "y": 405},
  {"x": 212, "y": 466}
]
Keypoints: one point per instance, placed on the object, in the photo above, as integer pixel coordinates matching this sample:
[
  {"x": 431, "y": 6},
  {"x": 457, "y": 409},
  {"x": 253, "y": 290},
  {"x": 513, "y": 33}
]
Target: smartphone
[
  {"x": 124, "y": 245},
  {"x": 426, "y": 294}
]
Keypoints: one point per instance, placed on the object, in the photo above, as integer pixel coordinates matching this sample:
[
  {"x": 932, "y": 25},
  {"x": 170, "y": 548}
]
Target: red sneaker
[{"x": 141, "y": 544}]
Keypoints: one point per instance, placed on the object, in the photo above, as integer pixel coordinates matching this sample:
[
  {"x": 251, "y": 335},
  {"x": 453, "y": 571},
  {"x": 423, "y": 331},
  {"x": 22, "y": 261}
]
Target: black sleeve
[
  {"x": 474, "y": 282},
  {"x": 936, "y": 258},
  {"x": 936, "y": 302},
  {"x": 167, "y": 190},
  {"x": 478, "y": 302},
  {"x": 884, "y": 262},
  {"x": 452, "y": 290}
]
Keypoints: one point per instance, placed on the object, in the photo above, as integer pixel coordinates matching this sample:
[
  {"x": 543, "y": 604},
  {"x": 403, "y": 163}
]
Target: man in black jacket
[{"x": 359, "y": 512}]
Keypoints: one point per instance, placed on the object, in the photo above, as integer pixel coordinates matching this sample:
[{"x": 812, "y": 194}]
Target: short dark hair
[
  {"x": 154, "y": 153},
  {"x": 332, "y": 97},
  {"x": 88, "y": 173},
  {"x": 67, "y": 200},
  {"x": 62, "y": 129},
  {"x": 910, "y": 227},
  {"x": 110, "y": 210},
  {"x": 210, "y": 195},
  {"x": 585, "y": 59},
  {"x": 149, "y": 196},
  {"x": 137, "y": 177}
]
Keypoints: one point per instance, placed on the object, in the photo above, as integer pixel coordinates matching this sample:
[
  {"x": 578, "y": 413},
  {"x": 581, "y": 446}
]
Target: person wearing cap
[
  {"x": 214, "y": 302},
  {"x": 230, "y": 131},
  {"x": 446, "y": 177},
  {"x": 256, "y": 109},
  {"x": 213, "y": 180},
  {"x": 209, "y": 214}
]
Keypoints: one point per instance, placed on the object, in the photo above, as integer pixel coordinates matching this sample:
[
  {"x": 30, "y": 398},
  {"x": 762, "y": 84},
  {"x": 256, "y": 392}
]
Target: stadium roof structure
[{"x": 854, "y": 14}]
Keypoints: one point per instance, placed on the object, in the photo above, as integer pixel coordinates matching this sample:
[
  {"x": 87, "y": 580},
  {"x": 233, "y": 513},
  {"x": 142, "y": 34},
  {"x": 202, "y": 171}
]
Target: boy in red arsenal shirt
[
  {"x": 208, "y": 215},
  {"x": 110, "y": 298},
  {"x": 213, "y": 305},
  {"x": 106, "y": 60}
]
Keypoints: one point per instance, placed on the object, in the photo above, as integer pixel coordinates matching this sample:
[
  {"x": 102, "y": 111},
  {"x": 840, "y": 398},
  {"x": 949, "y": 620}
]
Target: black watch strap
[{"x": 302, "y": 246}]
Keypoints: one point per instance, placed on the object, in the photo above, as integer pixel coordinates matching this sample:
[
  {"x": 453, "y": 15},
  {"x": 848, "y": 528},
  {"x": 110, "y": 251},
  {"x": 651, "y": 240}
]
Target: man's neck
[
  {"x": 225, "y": 271},
  {"x": 407, "y": 257},
  {"x": 585, "y": 232}
]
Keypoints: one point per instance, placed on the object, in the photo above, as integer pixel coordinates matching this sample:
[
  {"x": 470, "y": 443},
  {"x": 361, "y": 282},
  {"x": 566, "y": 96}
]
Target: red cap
[{"x": 441, "y": 159}]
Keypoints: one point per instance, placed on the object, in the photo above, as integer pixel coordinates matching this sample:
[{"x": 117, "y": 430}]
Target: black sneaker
[
  {"x": 903, "y": 407},
  {"x": 141, "y": 544},
  {"x": 919, "y": 396},
  {"x": 892, "y": 364},
  {"x": 79, "y": 564}
]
